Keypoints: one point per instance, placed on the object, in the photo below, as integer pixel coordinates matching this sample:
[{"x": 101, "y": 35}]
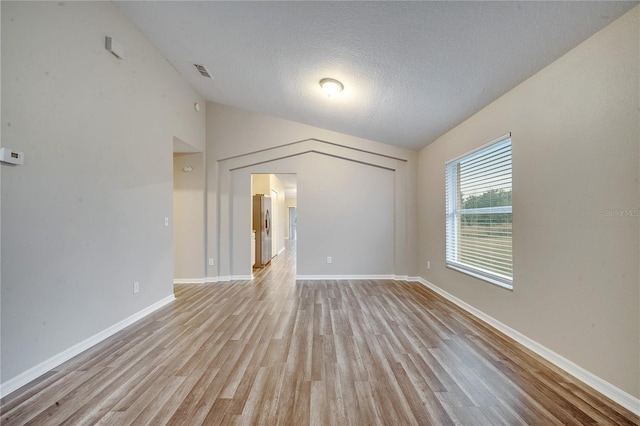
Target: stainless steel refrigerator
[{"x": 262, "y": 226}]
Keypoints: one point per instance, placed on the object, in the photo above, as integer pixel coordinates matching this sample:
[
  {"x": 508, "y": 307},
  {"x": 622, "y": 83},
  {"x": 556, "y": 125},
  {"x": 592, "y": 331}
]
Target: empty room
[{"x": 327, "y": 213}]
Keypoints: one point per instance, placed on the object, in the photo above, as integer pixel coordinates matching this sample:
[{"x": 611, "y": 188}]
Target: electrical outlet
[
  {"x": 136, "y": 287},
  {"x": 428, "y": 264},
  {"x": 211, "y": 261},
  {"x": 329, "y": 260},
  {"x": 166, "y": 221}
]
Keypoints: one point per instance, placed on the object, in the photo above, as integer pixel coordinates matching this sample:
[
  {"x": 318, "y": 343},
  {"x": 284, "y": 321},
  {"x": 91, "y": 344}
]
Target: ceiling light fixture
[{"x": 331, "y": 86}]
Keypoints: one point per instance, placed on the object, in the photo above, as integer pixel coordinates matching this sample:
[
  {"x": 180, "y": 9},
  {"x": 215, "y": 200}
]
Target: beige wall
[
  {"x": 330, "y": 214},
  {"x": 83, "y": 218},
  {"x": 260, "y": 184},
  {"x": 575, "y": 132},
  {"x": 291, "y": 202},
  {"x": 240, "y": 143},
  {"x": 280, "y": 211},
  {"x": 188, "y": 217}
]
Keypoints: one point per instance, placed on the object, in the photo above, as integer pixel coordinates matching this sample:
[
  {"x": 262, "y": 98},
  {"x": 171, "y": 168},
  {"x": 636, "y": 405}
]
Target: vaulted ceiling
[{"x": 411, "y": 70}]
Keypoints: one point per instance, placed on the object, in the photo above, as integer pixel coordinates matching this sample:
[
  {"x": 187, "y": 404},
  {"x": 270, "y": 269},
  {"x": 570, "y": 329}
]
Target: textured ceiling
[{"x": 411, "y": 70}]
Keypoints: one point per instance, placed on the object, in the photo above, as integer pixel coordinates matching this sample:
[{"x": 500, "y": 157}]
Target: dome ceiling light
[{"x": 331, "y": 86}]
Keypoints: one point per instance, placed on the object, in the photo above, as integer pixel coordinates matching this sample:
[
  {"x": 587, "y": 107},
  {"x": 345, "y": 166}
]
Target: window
[{"x": 479, "y": 217}]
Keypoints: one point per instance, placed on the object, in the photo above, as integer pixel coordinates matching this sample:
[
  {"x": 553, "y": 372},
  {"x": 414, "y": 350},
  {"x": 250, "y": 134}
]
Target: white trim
[
  {"x": 240, "y": 277},
  {"x": 406, "y": 278},
  {"x": 481, "y": 274},
  {"x": 225, "y": 278},
  {"x": 344, "y": 277},
  {"x": 282, "y": 249},
  {"x": 486, "y": 210},
  {"x": 34, "y": 372},
  {"x": 628, "y": 401},
  {"x": 357, "y": 277},
  {"x": 189, "y": 281}
]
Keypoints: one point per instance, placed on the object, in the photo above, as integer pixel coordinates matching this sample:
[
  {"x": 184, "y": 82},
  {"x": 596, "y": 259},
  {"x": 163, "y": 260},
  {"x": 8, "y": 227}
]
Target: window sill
[{"x": 481, "y": 277}]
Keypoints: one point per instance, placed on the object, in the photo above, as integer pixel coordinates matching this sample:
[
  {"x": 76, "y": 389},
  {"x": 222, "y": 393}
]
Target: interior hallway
[{"x": 274, "y": 350}]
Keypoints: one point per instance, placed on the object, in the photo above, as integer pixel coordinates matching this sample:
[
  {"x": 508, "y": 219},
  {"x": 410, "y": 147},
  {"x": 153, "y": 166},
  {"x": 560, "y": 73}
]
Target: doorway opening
[
  {"x": 275, "y": 244},
  {"x": 189, "y": 229},
  {"x": 293, "y": 222},
  {"x": 279, "y": 192}
]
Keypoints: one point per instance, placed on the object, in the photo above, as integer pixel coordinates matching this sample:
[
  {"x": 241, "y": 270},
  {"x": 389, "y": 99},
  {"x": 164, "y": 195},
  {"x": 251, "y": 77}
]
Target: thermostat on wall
[{"x": 10, "y": 156}]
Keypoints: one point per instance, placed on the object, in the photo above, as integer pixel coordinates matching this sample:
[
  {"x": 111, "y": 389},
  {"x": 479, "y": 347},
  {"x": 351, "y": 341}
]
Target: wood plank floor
[{"x": 274, "y": 351}]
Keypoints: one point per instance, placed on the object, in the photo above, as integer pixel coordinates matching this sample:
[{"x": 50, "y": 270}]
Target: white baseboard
[
  {"x": 189, "y": 281},
  {"x": 406, "y": 278},
  {"x": 281, "y": 250},
  {"x": 34, "y": 372},
  {"x": 628, "y": 401},
  {"x": 225, "y": 278},
  {"x": 344, "y": 277},
  {"x": 240, "y": 277},
  {"x": 357, "y": 277}
]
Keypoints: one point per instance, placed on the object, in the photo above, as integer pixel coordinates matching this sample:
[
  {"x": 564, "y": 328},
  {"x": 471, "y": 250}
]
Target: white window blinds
[{"x": 479, "y": 216}]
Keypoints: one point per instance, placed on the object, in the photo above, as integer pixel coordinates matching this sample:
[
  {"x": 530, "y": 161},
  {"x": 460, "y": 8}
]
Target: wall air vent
[{"x": 203, "y": 70}]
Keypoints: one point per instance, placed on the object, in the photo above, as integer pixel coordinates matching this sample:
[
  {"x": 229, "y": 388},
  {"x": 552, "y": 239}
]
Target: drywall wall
[
  {"x": 188, "y": 217},
  {"x": 332, "y": 207},
  {"x": 241, "y": 142},
  {"x": 575, "y": 134},
  {"x": 279, "y": 212},
  {"x": 260, "y": 184},
  {"x": 84, "y": 217}
]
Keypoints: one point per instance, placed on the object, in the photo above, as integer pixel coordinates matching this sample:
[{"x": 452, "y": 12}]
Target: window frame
[{"x": 452, "y": 213}]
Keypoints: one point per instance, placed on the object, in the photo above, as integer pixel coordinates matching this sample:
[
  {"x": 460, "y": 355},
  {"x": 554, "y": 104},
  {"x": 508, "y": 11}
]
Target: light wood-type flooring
[{"x": 274, "y": 351}]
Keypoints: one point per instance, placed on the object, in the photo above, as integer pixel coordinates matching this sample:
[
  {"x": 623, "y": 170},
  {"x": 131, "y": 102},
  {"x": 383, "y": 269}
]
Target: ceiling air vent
[{"x": 203, "y": 70}]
